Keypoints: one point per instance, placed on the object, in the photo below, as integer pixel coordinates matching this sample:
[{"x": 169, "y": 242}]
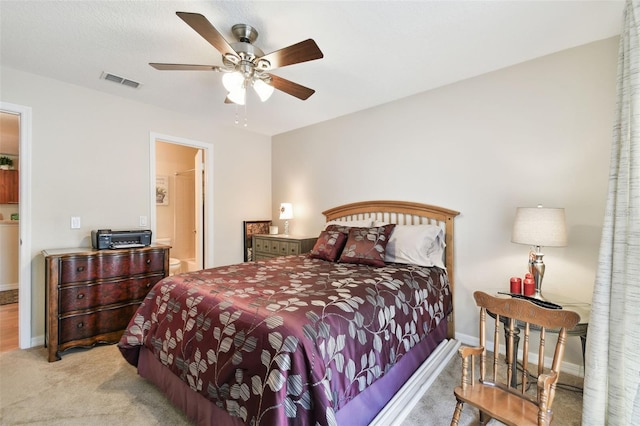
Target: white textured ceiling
[{"x": 374, "y": 51}]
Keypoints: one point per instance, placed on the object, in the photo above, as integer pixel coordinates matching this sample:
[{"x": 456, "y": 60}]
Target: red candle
[
  {"x": 529, "y": 287},
  {"x": 516, "y": 285}
]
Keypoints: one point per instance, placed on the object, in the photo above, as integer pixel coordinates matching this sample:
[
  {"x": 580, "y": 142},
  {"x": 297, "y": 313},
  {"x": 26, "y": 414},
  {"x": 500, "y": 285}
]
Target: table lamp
[
  {"x": 538, "y": 227},
  {"x": 286, "y": 213}
]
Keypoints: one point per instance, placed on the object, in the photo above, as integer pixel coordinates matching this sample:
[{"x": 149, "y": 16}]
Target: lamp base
[
  {"x": 286, "y": 227},
  {"x": 538, "y": 296},
  {"x": 537, "y": 269}
]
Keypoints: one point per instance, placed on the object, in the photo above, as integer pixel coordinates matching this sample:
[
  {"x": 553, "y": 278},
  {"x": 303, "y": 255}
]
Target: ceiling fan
[{"x": 245, "y": 65}]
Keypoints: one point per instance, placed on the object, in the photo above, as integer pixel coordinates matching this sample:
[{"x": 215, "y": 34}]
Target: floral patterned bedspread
[{"x": 289, "y": 339}]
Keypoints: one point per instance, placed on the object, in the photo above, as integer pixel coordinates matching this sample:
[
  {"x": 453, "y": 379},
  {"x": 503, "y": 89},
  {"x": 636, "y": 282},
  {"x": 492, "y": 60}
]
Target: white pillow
[
  {"x": 363, "y": 223},
  {"x": 416, "y": 245}
]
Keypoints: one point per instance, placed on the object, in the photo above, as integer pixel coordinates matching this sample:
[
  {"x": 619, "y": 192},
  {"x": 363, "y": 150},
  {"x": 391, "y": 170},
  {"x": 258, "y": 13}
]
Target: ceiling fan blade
[
  {"x": 293, "y": 89},
  {"x": 184, "y": 67},
  {"x": 207, "y": 31},
  {"x": 304, "y": 51}
]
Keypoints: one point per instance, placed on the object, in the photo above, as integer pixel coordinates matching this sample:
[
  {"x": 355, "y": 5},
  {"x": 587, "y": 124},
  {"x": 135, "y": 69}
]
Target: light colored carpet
[{"x": 98, "y": 387}]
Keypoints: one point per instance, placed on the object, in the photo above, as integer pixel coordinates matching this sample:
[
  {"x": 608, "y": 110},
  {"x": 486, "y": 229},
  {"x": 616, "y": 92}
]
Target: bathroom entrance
[{"x": 180, "y": 182}]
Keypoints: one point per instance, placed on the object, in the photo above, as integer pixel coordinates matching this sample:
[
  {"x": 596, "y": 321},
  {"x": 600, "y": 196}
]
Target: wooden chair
[{"x": 492, "y": 395}]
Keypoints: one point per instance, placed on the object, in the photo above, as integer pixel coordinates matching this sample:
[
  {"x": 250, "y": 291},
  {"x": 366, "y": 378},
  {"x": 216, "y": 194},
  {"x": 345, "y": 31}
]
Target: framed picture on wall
[
  {"x": 162, "y": 190},
  {"x": 250, "y": 228}
]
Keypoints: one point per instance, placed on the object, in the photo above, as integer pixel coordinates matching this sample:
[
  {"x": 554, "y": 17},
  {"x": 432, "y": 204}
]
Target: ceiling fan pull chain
[
  {"x": 236, "y": 121},
  {"x": 237, "y": 118}
]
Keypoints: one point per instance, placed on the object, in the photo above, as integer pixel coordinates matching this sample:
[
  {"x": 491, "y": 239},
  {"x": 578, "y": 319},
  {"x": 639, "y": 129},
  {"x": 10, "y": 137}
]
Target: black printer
[{"x": 108, "y": 239}]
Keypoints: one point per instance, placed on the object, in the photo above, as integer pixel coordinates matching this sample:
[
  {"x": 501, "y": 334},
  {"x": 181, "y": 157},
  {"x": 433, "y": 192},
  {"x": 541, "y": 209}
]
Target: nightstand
[
  {"x": 581, "y": 308},
  {"x": 580, "y": 330},
  {"x": 266, "y": 246}
]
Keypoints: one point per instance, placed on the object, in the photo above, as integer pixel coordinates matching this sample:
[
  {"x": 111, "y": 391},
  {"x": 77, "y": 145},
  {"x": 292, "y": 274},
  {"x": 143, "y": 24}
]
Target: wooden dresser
[
  {"x": 266, "y": 246},
  {"x": 92, "y": 294}
]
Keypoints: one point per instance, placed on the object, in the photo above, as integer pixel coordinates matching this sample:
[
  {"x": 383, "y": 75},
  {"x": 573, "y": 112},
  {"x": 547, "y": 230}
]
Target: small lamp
[
  {"x": 263, "y": 89},
  {"x": 538, "y": 227},
  {"x": 235, "y": 83},
  {"x": 286, "y": 213}
]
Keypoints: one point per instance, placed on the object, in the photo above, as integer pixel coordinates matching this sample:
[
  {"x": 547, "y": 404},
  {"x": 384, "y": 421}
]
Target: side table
[
  {"x": 266, "y": 246},
  {"x": 580, "y": 330}
]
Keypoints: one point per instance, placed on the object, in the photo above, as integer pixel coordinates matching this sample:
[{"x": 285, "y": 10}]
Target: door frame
[
  {"x": 207, "y": 148},
  {"x": 24, "y": 211},
  {"x": 199, "y": 189}
]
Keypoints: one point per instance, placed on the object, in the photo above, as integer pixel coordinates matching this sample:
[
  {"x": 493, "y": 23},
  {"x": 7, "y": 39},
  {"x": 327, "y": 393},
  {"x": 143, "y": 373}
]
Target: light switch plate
[{"x": 75, "y": 222}]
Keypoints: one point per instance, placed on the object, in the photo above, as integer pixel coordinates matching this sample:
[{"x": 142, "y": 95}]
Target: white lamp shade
[
  {"x": 238, "y": 96},
  {"x": 286, "y": 211},
  {"x": 232, "y": 81},
  {"x": 263, "y": 89},
  {"x": 539, "y": 226}
]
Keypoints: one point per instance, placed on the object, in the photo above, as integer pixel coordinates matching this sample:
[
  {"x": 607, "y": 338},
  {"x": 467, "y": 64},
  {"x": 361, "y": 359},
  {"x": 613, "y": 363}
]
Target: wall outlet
[
  {"x": 143, "y": 221},
  {"x": 75, "y": 222}
]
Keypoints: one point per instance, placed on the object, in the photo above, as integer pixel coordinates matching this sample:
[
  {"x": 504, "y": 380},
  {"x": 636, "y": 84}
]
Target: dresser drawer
[
  {"x": 292, "y": 248},
  {"x": 79, "y": 297},
  {"x": 278, "y": 248},
  {"x": 83, "y": 326},
  {"x": 86, "y": 268},
  {"x": 261, "y": 245}
]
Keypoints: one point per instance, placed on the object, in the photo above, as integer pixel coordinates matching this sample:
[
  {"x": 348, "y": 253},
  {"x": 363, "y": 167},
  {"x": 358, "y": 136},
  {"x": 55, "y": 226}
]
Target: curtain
[{"x": 612, "y": 374}]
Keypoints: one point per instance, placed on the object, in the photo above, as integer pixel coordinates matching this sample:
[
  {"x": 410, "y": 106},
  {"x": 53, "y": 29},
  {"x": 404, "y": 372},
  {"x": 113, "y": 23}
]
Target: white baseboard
[
  {"x": 567, "y": 367},
  {"x": 7, "y": 287},
  {"x": 399, "y": 407},
  {"x": 37, "y": 341}
]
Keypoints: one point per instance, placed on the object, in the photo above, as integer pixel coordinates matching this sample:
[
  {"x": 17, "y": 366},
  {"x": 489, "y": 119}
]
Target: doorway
[
  {"x": 22, "y": 162},
  {"x": 181, "y": 211}
]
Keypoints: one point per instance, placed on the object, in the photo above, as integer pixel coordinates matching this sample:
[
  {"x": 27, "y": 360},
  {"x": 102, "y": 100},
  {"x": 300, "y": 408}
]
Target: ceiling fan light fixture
[
  {"x": 238, "y": 96},
  {"x": 263, "y": 89},
  {"x": 233, "y": 81},
  {"x": 245, "y": 65}
]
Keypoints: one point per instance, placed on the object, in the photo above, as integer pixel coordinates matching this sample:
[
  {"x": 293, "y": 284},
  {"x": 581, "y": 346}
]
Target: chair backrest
[{"x": 522, "y": 316}]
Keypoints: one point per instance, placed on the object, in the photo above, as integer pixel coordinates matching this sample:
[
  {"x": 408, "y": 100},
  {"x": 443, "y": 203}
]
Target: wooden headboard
[{"x": 405, "y": 213}]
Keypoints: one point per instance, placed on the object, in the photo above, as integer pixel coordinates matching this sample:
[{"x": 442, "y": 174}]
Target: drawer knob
[
  {"x": 81, "y": 296},
  {"x": 148, "y": 261},
  {"x": 80, "y": 324},
  {"x": 80, "y": 269}
]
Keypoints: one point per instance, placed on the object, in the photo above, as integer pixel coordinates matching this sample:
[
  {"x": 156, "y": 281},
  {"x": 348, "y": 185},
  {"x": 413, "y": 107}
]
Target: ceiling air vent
[{"x": 120, "y": 80}]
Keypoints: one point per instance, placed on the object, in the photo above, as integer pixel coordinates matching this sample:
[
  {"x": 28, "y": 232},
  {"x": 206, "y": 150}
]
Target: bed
[{"x": 329, "y": 337}]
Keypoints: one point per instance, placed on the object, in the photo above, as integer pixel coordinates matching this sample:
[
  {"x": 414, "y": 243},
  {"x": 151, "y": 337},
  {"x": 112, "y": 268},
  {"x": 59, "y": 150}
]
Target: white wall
[
  {"x": 90, "y": 157},
  {"x": 537, "y": 132}
]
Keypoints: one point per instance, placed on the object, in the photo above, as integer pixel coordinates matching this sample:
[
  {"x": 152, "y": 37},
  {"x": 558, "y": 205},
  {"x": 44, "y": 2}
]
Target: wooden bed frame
[
  {"x": 408, "y": 395},
  {"x": 405, "y": 213}
]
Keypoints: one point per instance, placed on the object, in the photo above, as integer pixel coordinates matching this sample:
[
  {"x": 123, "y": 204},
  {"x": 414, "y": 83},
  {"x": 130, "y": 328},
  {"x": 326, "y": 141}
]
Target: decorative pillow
[
  {"x": 367, "y": 246},
  {"x": 339, "y": 228},
  {"x": 416, "y": 245},
  {"x": 345, "y": 224},
  {"x": 328, "y": 246}
]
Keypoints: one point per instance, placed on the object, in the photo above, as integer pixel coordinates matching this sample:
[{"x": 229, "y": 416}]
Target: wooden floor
[{"x": 8, "y": 327}]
